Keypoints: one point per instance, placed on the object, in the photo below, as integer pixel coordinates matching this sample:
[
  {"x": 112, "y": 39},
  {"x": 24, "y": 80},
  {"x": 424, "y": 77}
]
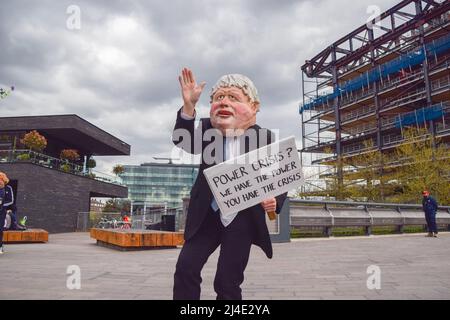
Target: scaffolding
[
  {"x": 391, "y": 73},
  {"x": 405, "y": 61}
]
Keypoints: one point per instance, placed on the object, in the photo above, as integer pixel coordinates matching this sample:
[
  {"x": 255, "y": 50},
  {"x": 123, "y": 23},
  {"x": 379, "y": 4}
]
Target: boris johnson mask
[{"x": 234, "y": 104}]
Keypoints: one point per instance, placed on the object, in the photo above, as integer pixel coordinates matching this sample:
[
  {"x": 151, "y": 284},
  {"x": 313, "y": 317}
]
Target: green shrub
[
  {"x": 23, "y": 157},
  {"x": 91, "y": 164},
  {"x": 65, "y": 167}
]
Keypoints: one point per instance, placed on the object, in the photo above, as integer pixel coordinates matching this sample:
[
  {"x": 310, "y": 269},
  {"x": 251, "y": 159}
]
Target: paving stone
[{"x": 412, "y": 267}]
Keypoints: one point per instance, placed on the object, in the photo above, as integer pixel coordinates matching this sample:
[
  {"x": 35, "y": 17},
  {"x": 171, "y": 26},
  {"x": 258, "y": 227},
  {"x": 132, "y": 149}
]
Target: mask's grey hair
[{"x": 239, "y": 81}]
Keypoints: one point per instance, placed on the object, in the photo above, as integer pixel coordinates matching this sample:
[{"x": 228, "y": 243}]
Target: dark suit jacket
[
  {"x": 201, "y": 195},
  {"x": 429, "y": 205},
  {"x": 2, "y": 197}
]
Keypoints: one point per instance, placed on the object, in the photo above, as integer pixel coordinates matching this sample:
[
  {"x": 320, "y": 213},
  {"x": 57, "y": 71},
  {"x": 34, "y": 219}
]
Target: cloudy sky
[{"x": 119, "y": 69}]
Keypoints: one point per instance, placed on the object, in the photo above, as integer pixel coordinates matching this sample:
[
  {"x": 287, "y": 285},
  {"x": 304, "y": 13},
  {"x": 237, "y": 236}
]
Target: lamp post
[{"x": 84, "y": 164}]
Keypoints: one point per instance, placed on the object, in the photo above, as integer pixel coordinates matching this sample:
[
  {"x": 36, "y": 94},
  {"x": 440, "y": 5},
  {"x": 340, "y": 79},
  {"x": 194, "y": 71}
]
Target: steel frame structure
[{"x": 333, "y": 121}]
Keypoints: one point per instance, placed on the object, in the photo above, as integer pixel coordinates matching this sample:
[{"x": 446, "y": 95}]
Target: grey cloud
[{"x": 125, "y": 80}]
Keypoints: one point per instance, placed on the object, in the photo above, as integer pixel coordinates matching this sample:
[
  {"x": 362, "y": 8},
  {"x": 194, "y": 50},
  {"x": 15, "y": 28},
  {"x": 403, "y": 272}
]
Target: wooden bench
[
  {"x": 26, "y": 236},
  {"x": 129, "y": 239}
]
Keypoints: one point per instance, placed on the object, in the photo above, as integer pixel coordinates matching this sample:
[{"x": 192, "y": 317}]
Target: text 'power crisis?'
[{"x": 249, "y": 179}]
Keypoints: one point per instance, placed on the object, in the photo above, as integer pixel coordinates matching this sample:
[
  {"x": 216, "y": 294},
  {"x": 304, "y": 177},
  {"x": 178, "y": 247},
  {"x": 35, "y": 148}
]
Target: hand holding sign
[
  {"x": 256, "y": 177},
  {"x": 270, "y": 205}
]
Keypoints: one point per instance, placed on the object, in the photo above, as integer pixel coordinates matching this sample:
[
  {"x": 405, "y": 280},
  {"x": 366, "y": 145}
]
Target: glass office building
[{"x": 159, "y": 184}]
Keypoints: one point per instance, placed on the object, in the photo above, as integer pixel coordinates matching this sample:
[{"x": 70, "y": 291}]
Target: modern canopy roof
[{"x": 71, "y": 129}]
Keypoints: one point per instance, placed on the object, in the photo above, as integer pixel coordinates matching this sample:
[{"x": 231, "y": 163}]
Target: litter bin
[{"x": 168, "y": 222}]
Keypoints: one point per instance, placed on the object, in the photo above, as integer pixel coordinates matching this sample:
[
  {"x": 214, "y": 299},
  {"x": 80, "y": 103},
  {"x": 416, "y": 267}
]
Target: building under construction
[{"x": 388, "y": 74}]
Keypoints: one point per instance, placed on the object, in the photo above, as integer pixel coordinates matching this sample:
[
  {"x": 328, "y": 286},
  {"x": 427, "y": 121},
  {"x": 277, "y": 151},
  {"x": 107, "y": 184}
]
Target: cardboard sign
[{"x": 247, "y": 180}]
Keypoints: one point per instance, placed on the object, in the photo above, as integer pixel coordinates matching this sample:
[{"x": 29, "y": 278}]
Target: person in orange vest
[{"x": 126, "y": 221}]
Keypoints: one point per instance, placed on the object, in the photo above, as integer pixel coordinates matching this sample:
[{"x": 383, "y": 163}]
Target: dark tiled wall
[{"x": 52, "y": 199}]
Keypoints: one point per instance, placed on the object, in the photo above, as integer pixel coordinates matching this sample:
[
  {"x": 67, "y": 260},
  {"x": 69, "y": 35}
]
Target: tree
[
  {"x": 328, "y": 176},
  {"x": 4, "y": 93},
  {"x": 91, "y": 164},
  {"x": 34, "y": 141},
  {"x": 364, "y": 176},
  {"x": 422, "y": 167},
  {"x": 118, "y": 169},
  {"x": 69, "y": 154},
  {"x": 117, "y": 205},
  {"x": 399, "y": 176}
]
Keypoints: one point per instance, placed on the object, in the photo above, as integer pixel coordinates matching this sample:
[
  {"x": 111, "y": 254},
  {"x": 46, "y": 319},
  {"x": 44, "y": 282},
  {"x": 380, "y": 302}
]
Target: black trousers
[
  {"x": 235, "y": 242},
  {"x": 2, "y": 223},
  {"x": 430, "y": 217}
]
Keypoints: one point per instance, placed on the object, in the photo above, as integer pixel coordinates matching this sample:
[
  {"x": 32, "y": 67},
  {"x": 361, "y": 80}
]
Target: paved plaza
[{"x": 411, "y": 267}]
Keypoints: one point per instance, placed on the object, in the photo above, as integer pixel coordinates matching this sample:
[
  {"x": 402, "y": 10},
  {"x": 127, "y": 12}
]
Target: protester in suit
[{"x": 232, "y": 123}]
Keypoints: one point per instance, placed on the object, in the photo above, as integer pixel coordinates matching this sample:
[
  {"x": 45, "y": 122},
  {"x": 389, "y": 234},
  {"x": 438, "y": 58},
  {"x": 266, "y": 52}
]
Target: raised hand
[{"x": 190, "y": 91}]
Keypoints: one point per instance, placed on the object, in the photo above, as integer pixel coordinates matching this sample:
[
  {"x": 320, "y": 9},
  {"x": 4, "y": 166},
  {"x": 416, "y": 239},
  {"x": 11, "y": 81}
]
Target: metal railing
[
  {"x": 356, "y": 96},
  {"x": 43, "y": 160},
  {"x": 330, "y": 214},
  {"x": 155, "y": 216},
  {"x": 357, "y": 113},
  {"x": 358, "y": 147},
  {"x": 361, "y": 129},
  {"x": 389, "y": 122},
  {"x": 102, "y": 220},
  {"x": 151, "y": 220},
  {"x": 415, "y": 95}
]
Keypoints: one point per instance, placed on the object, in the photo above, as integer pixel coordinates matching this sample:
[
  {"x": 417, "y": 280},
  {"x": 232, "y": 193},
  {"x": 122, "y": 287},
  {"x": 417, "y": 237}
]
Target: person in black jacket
[
  {"x": 430, "y": 207},
  {"x": 230, "y": 130},
  {"x": 9, "y": 204}
]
